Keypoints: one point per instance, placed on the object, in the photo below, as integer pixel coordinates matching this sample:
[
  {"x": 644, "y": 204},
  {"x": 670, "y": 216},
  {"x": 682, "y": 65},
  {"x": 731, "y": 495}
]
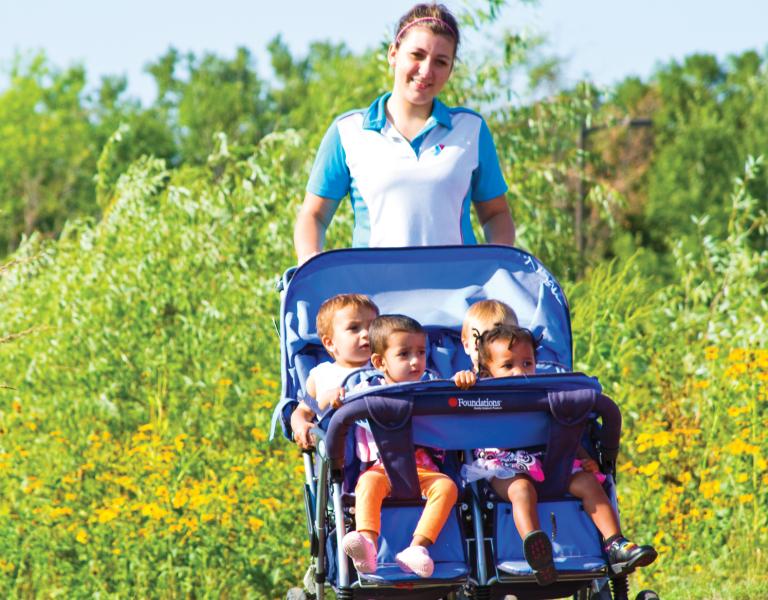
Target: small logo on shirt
[{"x": 438, "y": 149}]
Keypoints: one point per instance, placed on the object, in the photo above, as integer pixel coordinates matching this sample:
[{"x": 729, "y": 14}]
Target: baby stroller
[{"x": 478, "y": 553}]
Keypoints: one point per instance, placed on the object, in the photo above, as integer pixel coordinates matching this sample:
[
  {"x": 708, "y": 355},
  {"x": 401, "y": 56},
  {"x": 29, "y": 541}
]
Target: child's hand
[
  {"x": 302, "y": 435},
  {"x": 464, "y": 379},
  {"x": 333, "y": 397},
  {"x": 339, "y": 400},
  {"x": 589, "y": 465},
  {"x": 301, "y": 423}
]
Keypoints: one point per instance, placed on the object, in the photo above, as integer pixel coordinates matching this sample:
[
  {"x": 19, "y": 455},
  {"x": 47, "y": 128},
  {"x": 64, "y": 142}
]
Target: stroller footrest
[
  {"x": 570, "y": 564},
  {"x": 388, "y": 573}
]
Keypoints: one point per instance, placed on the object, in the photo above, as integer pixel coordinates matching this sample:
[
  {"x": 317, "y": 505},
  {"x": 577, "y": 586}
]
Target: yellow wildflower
[
  {"x": 650, "y": 468},
  {"x": 180, "y": 498},
  {"x": 709, "y": 488},
  {"x": 744, "y": 498},
  {"x": 82, "y": 536},
  {"x": 153, "y": 511},
  {"x": 738, "y": 355},
  {"x": 255, "y": 524},
  {"x": 162, "y": 493},
  {"x": 198, "y": 500},
  {"x": 105, "y": 515},
  {"x": 33, "y": 483}
]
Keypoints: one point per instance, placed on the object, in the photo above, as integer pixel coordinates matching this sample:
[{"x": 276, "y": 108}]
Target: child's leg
[
  {"x": 584, "y": 486},
  {"x": 441, "y": 494},
  {"x": 537, "y": 548},
  {"x": 522, "y": 495},
  {"x": 360, "y": 545},
  {"x": 371, "y": 489},
  {"x": 623, "y": 555}
]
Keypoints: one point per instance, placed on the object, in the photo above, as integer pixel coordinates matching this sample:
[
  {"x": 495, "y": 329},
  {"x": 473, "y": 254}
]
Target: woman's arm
[
  {"x": 496, "y": 220},
  {"x": 313, "y": 219}
]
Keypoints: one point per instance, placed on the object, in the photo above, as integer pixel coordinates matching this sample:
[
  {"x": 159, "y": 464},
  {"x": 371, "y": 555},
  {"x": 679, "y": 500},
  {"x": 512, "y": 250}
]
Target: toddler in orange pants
[{"x": 398, "y": 349}]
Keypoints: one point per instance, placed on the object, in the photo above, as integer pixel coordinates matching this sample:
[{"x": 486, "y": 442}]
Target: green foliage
[
  {"x": 206, "y": 95},
  {"x": 136, "y": 434},
  {"x": 688, "y": 364},
  {"x": 708, "y": 118},
  {"x": 45, "y": 149}
]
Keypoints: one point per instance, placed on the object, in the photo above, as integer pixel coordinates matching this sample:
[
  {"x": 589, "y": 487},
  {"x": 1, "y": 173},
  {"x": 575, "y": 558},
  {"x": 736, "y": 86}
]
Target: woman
[{"x": 410, "y": 164}]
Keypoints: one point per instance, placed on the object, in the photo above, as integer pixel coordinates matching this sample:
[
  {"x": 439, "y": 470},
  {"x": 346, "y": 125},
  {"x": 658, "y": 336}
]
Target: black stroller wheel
[{"x": 647, "y": 595}]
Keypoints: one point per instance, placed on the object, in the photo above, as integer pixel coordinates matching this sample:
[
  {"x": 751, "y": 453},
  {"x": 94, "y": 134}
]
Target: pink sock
[
  {"x": 416, "y": 559},
  {"x": 361, "y": 550}
]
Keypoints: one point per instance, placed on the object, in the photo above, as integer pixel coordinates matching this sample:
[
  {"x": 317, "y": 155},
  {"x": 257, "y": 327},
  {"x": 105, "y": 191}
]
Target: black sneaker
[
  {"x": 537, "y": 550},
  {"x": 625, "y": 556}
]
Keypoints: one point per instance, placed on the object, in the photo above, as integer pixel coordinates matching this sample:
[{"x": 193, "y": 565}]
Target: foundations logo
[{"x": 475, "y": 403}]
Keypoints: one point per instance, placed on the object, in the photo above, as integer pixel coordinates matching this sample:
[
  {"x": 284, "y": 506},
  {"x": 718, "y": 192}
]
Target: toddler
[
  {"x": 504, "y": 351},
  {"x": 398, "y": 346},
  {"x": 342, "y": 324}
]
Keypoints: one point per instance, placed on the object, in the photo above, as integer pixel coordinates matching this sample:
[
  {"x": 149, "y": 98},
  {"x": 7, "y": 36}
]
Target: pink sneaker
[
  {"x": 416, "y": 559},
  {"x": 361, "y": 551}
]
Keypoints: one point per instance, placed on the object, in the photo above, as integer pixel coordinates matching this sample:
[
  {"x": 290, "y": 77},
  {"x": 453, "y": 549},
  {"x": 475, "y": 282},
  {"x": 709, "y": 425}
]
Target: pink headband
[{"x": 435, "y": 19}]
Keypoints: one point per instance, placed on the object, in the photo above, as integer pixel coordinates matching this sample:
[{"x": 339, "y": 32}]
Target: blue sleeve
[
  {"x": 330, "y": 175},
  {"x": 487, "y": 180}
]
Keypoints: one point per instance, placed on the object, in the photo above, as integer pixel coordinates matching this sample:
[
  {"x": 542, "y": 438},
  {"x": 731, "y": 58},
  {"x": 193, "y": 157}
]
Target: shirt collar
[{"x": 376, "y": 115}]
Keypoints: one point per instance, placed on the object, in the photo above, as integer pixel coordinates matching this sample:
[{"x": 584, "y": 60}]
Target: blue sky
[{"x": 605, "y": 39}]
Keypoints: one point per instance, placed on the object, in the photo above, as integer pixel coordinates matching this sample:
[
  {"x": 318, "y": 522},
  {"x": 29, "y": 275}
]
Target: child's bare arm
[{"x": 464, "y": 379}]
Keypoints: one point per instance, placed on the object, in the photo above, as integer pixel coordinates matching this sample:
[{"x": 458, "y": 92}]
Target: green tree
[
  {"x": 46, "y": 149},
  {"x": 202, "y": 96}
]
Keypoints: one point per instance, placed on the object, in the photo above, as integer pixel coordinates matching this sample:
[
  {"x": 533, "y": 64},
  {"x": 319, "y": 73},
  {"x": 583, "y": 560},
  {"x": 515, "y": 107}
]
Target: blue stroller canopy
[{"x": 434, "y": 285}]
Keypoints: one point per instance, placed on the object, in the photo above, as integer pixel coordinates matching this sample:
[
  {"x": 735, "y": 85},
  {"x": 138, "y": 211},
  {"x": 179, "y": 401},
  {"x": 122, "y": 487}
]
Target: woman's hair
[
  {"x": 435, "y": 17},
  {"x": 490, "y": 313},
  {"x": 506, "y": 333},
  {"x": 332, "y": 305},
  {"x": 384, "y": 326}
]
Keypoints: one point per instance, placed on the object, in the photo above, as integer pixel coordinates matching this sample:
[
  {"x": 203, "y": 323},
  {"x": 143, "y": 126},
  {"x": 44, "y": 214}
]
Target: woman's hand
[
  {"x": 464, "y": 379},
  {"x": 313, "y": 219}
]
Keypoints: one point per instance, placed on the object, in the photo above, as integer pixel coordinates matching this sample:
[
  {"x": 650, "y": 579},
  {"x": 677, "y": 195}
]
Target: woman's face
[{"x": 423, "y": 63}]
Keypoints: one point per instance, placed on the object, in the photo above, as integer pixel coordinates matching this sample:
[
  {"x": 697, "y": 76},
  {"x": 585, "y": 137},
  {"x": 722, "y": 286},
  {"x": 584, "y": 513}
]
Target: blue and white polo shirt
[{"x": 405, "y": 193}]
